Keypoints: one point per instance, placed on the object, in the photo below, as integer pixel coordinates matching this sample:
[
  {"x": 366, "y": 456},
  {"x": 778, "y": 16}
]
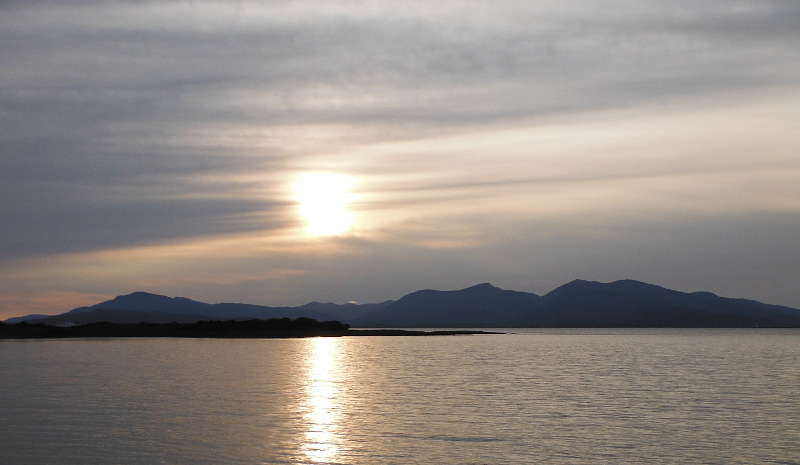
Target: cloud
[{"x": 135, "y": 125}]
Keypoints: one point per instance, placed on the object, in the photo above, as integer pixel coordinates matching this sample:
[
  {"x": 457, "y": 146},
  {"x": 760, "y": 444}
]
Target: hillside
[{"x": 625, "y": 303}]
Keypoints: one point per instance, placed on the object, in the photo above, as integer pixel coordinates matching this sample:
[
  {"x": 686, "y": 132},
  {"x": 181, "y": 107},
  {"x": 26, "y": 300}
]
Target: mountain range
[{"x": 625, "y": 303}]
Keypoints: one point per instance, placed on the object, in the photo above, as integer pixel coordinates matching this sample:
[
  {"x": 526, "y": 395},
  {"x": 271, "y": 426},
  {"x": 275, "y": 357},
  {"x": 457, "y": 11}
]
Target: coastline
[{"x": 223, "y": 329}]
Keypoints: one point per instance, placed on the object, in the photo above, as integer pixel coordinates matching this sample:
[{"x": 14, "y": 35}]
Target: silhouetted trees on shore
[{"x": 255, "y": 328}]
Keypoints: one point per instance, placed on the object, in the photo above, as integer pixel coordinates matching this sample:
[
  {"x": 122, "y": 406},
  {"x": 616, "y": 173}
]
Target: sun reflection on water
[{"x": 321, "y": 412}]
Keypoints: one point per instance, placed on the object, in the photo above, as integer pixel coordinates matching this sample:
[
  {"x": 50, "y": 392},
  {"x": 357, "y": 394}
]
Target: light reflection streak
[{"x": 321, "y": 410}]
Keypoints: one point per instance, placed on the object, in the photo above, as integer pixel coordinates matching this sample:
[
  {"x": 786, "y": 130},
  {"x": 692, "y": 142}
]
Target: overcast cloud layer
[{"x": 152, "y": 145}]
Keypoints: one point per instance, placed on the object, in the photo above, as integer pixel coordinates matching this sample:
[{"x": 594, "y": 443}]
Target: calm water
[{"x": 546, "y": 397}]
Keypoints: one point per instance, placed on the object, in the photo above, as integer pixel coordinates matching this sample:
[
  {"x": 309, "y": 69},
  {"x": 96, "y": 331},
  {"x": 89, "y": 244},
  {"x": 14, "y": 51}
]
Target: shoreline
[{"x": 214, "y": 329}]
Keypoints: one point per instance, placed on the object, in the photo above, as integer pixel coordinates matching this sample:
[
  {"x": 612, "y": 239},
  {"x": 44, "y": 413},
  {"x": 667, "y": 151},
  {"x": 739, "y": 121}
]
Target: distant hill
[
  {"x": 625, "y": 303},
  {"x": 580, "y": 303},
  {"x": 20, "y": 319},
  {"x": 120, "y": 316},
  {"x": 344, "y": 312},
  {"x": 629, "y": 303},
  {"x": 478, "y": 306},
  {"x": 153, "y": 308}
]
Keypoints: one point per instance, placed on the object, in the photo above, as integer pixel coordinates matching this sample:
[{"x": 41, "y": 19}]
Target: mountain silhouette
[
  {"x": 625, "y": 303},
  {"x": 633, "y": 303},
  {"x": 483, "y": 305},
  {"x": 145, "y": 302},
  {"x": 153, "y": 308}
]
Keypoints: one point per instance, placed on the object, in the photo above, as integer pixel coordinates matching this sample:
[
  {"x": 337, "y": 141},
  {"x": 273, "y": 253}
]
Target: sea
[{"x": 624, "y": 396}]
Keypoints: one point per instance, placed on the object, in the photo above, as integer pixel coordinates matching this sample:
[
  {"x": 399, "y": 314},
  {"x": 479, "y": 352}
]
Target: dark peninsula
[{"x": 247, "y": 329}]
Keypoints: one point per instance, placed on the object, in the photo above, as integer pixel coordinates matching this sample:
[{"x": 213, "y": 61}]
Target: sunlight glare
[
  {"x": 322, "y": 409},
  {"x": 324, "y": 199}
]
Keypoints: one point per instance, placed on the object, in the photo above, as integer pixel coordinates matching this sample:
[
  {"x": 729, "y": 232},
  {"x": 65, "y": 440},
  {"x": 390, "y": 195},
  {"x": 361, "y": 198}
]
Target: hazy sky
[{"x": 283, "y": 152}]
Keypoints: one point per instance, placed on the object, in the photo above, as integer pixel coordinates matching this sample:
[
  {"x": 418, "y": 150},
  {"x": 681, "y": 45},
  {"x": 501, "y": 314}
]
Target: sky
[{"x": 281, "y": 152}]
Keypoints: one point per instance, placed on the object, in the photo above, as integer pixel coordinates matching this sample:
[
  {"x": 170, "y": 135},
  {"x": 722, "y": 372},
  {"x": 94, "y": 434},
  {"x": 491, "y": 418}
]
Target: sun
[{"x": 324, "y": 199}]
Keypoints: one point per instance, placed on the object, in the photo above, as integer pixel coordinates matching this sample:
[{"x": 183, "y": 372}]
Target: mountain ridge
[{"x": 578, "y": 303}]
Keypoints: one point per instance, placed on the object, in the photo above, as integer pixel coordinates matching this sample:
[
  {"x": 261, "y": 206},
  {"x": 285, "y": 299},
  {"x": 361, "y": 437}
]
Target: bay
[{"x": 536, "y": 396}]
